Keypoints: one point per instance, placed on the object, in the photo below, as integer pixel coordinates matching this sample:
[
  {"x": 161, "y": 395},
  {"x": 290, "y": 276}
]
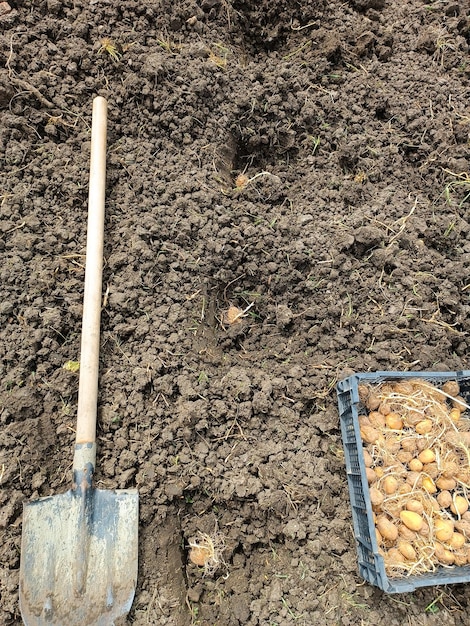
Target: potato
[
  {"x": 394, "y": 557},
  {"x": 463, "y": 526},
  {"x": 379, "y": 471},
  {"x": 428, "y": 485},
  {"x": 403, "y": 388},
  {"x": 379, "y": 537},
  {"x": 413, "y": 417},
  {"x": 444, "y": 499},
  {"x": 457, "y": 541},
  {"x": 404, "y": 456},
  {"x": 405, "y": 533},
  {"x": 443, "y": 555},
  {"x": 389, "y": 485},
  {"x": 427, "y": 456},
  {"x": 463, "y": 476},
  {"x": 373, "y": 402},
  {"x": 460, "y": 558},
  {"x": 413, "y": 479},
  {"x": 424, "y": 427},
  {"x": 412, "y": 520},
  {"x": 406, "y": 548},
  {"x": 459, "y": 505},
  {"x": 363, "y": 391},
  {"x": 415, "y": 465},
  {"x": 451, "y": 387},
  {"x": 431, "y": 469},
  {"x": 409, "y": 444},
  {"x": 446, "y": 484},
  {"x": 450, "y": 468},
  {"x": 465, "y": 438},
  {"x": 438, "y": 410},
  {"x": 392, "y": 445},
  {"x": 364, "y": 420},
  {"x": 369, "y": 434},
  {"x": 451, "y": 437},
  {"x": 416, "y": 506},
  {"x": 422, "y": 444},
  {"x": 405, "y": 488},
  {"x": 443, "y": 529},
  {"x": 387, "y": 529},
  {"x": 368, "y": 460},
  {"x": 459, "y": 403},
  {"x": 376, "y": 497},
  {"x": 377, "y": 420},
  {"x": 393, "y": 421},
  {"x": 385, "y": 408}
]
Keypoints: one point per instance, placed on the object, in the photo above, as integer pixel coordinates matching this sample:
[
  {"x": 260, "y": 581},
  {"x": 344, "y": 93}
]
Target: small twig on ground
[
  {"x": 403, "y": 223},
  {"x": 19, "y": 82},
  {"x": 30, "y": 88},
  {"x": 16, "y": 227}
]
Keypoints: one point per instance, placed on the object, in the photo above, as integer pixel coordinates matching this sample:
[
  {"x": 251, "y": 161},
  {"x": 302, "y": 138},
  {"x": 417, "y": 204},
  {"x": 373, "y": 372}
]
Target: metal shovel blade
[{"x": 79, "y": 556}]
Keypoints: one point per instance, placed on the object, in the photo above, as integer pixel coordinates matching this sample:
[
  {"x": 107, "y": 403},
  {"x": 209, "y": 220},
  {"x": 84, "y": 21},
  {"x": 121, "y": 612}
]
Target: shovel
[{"x": 79, "y": 549}]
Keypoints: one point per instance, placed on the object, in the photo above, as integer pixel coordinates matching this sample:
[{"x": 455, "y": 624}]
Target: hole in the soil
[
  {"x": 362, "y": 6},
  {"x": 361, "y": 250},
  {"x": 263, "y": 28},
  {"x": 411, "y": 152},
  {"x": 236, "y": 161},
  {"x": 272, "y": 26},
  {"x": 389, "y": 268},
  {"x": 61, "y": 336},
  {"x": 225, "y": 159},
  {"x": 257, "y": 150},
  {"x": 382, "y": 113},
  {"x": 348, "y": 161},
  {"x": 247, "y": 160},
  {"x": 442, "y": 245}
]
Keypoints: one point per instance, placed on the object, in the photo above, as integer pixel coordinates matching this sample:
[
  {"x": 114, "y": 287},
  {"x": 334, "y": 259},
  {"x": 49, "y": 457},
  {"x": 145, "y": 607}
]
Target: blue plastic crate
[{"x": 371, "y": 564}]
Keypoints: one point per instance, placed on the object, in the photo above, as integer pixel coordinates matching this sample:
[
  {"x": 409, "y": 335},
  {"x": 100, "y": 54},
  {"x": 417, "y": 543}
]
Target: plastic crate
[{"x": 371, "y": 564}]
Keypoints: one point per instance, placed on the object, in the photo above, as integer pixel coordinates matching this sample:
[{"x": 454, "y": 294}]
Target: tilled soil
[{"x": 287, "y": 202}]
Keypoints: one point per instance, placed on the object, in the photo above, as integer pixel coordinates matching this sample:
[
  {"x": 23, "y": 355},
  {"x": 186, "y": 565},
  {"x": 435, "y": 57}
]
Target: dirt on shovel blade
[{"x": 79, "y": 568}]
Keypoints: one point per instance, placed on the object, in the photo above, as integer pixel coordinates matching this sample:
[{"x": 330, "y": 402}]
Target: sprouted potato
[
  {"x": 206, "y": 551},
  {"x": 416, "y": 449}
]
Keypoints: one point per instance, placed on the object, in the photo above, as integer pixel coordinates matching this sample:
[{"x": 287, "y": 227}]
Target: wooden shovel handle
[{"x": 90, "y": 346}]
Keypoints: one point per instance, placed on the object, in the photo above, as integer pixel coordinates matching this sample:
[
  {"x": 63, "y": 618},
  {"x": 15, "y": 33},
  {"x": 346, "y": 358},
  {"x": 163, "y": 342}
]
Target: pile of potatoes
[{"x": 416, "y": 442}]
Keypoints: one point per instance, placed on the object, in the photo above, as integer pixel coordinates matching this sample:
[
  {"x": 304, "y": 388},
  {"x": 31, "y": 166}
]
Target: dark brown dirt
[{"x": 349, "y": 244}]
